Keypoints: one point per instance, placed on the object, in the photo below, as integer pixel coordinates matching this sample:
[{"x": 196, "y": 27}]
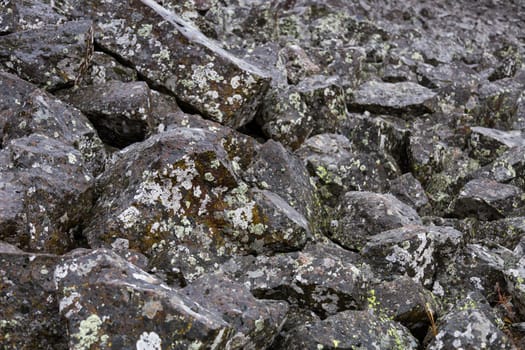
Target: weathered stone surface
[
  {"x": 408, "y": 189},
  {"x": 170, "y": 52},
  {"x": 338, "y": 167},
  {"x": 364, "y": 214},
  {"x": 8, "y": 17},
  {"x": 121, "y": 112},
  {"x": 515, "y": 277},
  {"x": 350, "y": 330},
  {"x": 182, "y": 203},
  {"x": 323, "y": 278},
  {"x": 470, "y": 329},
  {"x": 46, "y": 194},
  {"x": 51, "y": 57},
  {"x": 25, "y": 110},
  {"x": 488, "y": 144},
  {"x": 292, "y": 113},
  {"x": 509, "y": 167},
  {"x": 27, "y": 15},
  {"x": 507, "y": 232},
  {"x": 104, "y": 68},
  {"x": 403, "y": 99},
  {"x": 256, "y": 322},
  {"x": 487, "y": 200},
  {"x": 28, "y": 302},
  {"x": 413, "y": 250},
  {"x": 110, "y": 303}
]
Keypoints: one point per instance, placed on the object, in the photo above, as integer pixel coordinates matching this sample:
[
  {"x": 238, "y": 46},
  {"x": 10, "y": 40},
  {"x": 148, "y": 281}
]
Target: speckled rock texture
[{"x": 234, "y": 174}]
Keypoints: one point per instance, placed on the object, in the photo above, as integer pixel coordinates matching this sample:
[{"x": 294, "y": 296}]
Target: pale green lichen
[{"x": 88, "y": 333}]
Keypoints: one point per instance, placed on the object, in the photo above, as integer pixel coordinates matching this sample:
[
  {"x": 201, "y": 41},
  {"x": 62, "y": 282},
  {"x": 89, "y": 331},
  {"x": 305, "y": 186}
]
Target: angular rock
[
  {"x": 350, "y": 330},
  {"x": 8, "y": 17},
  {"x": 109, "y": 302},
  {"x": 404, "y": 301},
  {"x": 322, "y": 278},
  {"x": 488, "y": 144},
  {"x": 104, "y": 68},
  {"x": 25, "y": 110},
  {"x": 291, "y": 114},
  {"x": 50, "y": 57},
  {"x": 181, "y": 202},
  {"x": 46, "y": 194},
  {"x": 256, "y": 322},
  {"x": 29, "y": 304},
  {"x": 487, "y": 200},
  {"x": 403, "y": 99},
  {"x": 515, "y": 277},
  {"x": 364, "y": 214},
  {"x": 416, "y": 251},
  {"x": 170, "y": 53},
  {"x": 509, "y": 167},
  {"x": 471, "y": 329},
  {"x": 507, "y": 232},
  {"x": 34, "y": 14},
  {"x": 339, "y": 168},
  {"x": 408, "y": 189},
  {"x": 121, "y": 112}
]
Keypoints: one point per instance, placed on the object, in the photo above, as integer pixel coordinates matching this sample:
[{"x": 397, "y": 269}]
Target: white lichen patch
[
  {"x": 149, "y": 341},
  {"x": 129, "y": 217},
  {"x": 88, "y": 333}
]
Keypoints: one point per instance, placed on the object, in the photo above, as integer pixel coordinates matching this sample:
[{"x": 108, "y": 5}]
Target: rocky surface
[{"x": 262, "y": 174}]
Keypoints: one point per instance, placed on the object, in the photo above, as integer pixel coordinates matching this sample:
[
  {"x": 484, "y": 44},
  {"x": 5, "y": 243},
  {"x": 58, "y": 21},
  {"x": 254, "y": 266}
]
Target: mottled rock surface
[{"x": 304, "y": 174}]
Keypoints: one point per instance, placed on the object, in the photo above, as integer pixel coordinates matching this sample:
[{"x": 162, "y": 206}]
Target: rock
[
  {"x": 26, "y": 110},
  {"x": 47, "y": 193},
  {"x": 29, "y": 15},
  {"x": 338, "y": 167},
  {"x": 256, "y": 322},
  {"x": 203, "y": 76},
  {"x": 364, "y": 214},
  {"x": 28, "y": 301},
  {"x": 506, "y": 232},
  {"x": 509, "y": 167},
  {"x": 182, "y": 203},
  {"x": 402, "y": 99},
  {"x": 291, "y": 114},
  {"x": 109, "y": 302},
  {"x": 51, "y": 57},
  {"x": 488, "y": 144},
  {"x": 323, "y": 278},
  {"x": 349, "y": 330},
  {"x": 514, "y": 276},
  {"x": 8, "y": 17},
  {"x": 469, "y": 328},
  {"x": 412, "y": 250},
  {"x": 408, "y": 189},
  {"x": 487, "y": 200},
  {"x": 121, "y": 112},
  {"x": 104, "y": 69},
  {"x": 405, "y": 301}
]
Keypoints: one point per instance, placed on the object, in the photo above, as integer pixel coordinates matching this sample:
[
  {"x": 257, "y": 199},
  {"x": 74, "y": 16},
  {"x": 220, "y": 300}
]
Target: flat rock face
[{"x": 304, "y": 174}]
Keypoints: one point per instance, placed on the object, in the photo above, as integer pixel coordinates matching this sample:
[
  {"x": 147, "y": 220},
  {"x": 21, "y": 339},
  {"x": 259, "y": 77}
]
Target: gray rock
[
  {"x": 29, "y": 303},
  {"x": 323, "y": 278},
  {"x": 488, "y": 144},
  {"x": 416, "y": 251},
  {"x": 408, "y": 189},
  {"x": 487, "y": 200},
  {"x": 109, "y": 302},
  {"x": 404, "y": 99},
  {"x": 350, "y": 330},
  {"x": 364, "y": 214},
  {"x": 51, "y": 57},
  {"x": 121, "y": 112},
  {"x": 256, "y": 322}
]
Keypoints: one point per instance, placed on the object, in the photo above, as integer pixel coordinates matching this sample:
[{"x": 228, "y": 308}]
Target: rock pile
[{"x": 296, "y": 174}]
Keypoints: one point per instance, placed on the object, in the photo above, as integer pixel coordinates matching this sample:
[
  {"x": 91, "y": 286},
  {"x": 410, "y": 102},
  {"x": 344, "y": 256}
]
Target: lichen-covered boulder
[
  {"x": 105, "y": 68},
  {"x": 515, "y": 277},
  {"x": 110, "y": 303},
  {"x": 508, "y": 168},
  {"x": 364, "y": 214},
  {"x": 50, "y": 57},
  {"x": 507, "y": 232},
  {"x": 488, "y": 144},
  {"x": 406, "y": 302},
  {"x": 469, "y": 329},
  {"x": 487, "y": 200},
  {"x": 413, "y": 250},
  {"x": 402, "y": 99},
  {"x": 25, "y": 110},
  {"x": 171, "y": 53},
  {"x": 46, "y": 194},
  {"x": 8, "y": 17},
  {"x": 408, "y": 189},
  {"x": 338, "y": 167},
  {"x": 28, "y": 15},
  {"x": 256, "y": 322},
  {"x": 178, "y": 198},
  {"x": 291, "y": 114},
  {"x": 322, "y": 277},
  {"x": 121, "y": 112},
  {"x": 350, "y": 330},
  {"x": 28, "y": 301}
]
